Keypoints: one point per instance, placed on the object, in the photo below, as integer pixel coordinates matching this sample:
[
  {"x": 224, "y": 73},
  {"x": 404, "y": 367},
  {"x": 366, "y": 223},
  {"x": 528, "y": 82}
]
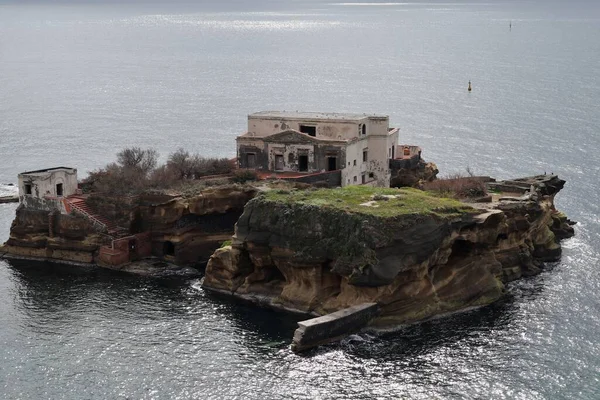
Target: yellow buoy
[{"x": 469, "y": 88}]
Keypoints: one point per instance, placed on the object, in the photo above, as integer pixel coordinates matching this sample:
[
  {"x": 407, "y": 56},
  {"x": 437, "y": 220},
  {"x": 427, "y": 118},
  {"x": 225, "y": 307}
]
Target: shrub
[
  {"x": 244, "y": 175},
  {"x": 137, "y": 170},
  {"x": 458, "y": 186}
]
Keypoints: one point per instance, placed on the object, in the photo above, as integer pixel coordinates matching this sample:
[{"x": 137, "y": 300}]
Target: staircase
[{"x": 78, "y": 204}]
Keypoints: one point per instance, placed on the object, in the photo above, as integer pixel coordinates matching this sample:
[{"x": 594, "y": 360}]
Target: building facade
[
  {"x": 53, "y": 182},
  {"x": 358, "y": 145}
]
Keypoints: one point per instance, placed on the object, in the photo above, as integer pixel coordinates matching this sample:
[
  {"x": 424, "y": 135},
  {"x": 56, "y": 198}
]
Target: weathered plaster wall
[
  {"x": 377, "y": 126},
  {"x": 338, "y": 130},
  {"x": 377, "y": 163}
]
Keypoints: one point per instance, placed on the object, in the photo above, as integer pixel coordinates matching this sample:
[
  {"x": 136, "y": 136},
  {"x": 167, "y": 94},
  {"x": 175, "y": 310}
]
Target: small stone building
[
  {"x": 358, "y": 145},
  {"x": 52, "y": 182}
]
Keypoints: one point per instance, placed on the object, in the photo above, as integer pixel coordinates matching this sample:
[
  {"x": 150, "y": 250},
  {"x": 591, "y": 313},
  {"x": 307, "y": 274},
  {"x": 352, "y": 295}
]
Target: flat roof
[
  {"x": 41, "y": 171},
  {"x": 314, "y": 115}
]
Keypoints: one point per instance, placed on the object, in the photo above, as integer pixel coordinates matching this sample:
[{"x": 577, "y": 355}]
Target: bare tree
[
  {"x": 181, "y": 163},
  {"x": 136, "y": 158}
]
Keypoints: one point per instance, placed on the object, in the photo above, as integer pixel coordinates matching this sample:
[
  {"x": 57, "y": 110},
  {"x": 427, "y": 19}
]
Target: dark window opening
[
  {"x": 364, "y": 129},
  {"x": 393, "y": 150},
  {"x": 168, "y": 248},
  {"x": 331, "y": 163},
  {"x": 59, "y": 189},
  {"x": 354, "y": 179},
  {"x": 278, "y": 162},
  {"x": 309, "y": 130},
  {"x": 371, "y": 175},
  {"x": 354, "y": 162},
  {"x": 27, "y": 189},
  {"x": 365, "y": 156},
  {"x": 302, "y": 163},
  {"x": 250, "y": 160}
]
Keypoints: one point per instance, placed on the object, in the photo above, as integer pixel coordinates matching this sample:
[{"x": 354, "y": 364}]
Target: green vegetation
[
  {"x": 384, "y": 202},
  {"x": 225, "y": 243}
]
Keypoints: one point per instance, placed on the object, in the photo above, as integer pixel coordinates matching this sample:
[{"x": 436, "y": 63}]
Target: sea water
[{"x": 79, "y": 81}]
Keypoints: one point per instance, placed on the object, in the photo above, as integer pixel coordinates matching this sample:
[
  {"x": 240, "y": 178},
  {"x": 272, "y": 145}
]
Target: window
[
  {"x": 365, "y": 155},
  {"x": 309, "y": 130},
  {"x": 363, "y": 178},
  {"x": 354, "y": 162},
  {"x": 393, "y": 148},
  {"x": 27, "y": 188},
  {"x": 364, "y": 129},
  {"x": 354, "y": 178},
  {"x": 371, "y": 175},
  {"x": 59, "y": 189}
]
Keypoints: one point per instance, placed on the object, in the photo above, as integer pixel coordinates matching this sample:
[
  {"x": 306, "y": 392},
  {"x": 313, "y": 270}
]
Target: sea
[{"x": 81, "y": 80}]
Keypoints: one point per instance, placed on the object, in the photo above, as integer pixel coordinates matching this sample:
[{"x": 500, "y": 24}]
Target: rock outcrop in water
[
  {"x": 413, "y": 254},
  {"x": 179, "y": 232}
]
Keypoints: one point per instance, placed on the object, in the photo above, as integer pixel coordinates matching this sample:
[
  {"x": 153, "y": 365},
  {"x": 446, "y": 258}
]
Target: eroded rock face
[
  {"x": 194, "y": 227},
  {"x": 37, "y": 234},
  {"x": 319, "y": 260}
]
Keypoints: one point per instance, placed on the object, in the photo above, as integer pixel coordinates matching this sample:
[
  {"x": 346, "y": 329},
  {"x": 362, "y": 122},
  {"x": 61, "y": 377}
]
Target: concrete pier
[
  {"x": 9, "y": 199},
  {"x": 332, "y": 327}
]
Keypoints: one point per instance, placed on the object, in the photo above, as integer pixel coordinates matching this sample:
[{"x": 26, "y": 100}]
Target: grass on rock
[{"x": 406, "y": 201}]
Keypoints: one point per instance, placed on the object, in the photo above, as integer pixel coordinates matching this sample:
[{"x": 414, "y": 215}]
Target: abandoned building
[
  {"x": 51, "y": 182},
  {"x": 355, "y": 147}
]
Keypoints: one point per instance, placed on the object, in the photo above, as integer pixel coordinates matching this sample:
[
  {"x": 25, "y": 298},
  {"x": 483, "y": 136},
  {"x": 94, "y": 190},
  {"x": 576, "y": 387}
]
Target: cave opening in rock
[
  {"x": 502, "y": 236},
  {"x": 460, "y": 249},
  {"x": 168, "y": 248},
  {"x": 275, "y": 275}
]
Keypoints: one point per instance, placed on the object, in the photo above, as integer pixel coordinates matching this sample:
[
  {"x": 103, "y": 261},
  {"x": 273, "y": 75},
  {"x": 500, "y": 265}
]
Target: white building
[
  {"x": 357, "y": 145},
  {"x": 48, "y": 183}
]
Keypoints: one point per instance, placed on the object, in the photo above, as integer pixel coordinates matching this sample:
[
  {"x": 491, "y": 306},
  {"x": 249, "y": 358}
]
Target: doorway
[
  {"x": 303, "y": 163},
  {"x": 168, "y": 248},
  {"x": 331, "y": 163},
  {"x": 278, "y": 163}
]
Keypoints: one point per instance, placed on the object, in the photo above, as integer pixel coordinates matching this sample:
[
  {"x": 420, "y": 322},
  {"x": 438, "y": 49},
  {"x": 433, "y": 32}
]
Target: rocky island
[
  {"x": 304, "y": 220},
  {"x": 414, "y": 254}
]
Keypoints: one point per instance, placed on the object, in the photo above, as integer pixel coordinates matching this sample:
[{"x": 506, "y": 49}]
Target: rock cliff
[
  {"x": 180, "y": 231},
  {"x": 416, "y": 255}
]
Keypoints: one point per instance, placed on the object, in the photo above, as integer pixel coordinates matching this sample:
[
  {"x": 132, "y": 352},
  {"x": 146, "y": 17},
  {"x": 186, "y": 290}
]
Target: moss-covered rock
[{"x": 413, "y": 253}]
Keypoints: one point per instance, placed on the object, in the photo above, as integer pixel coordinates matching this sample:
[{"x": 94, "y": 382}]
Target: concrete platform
[{"x": 332, "y": 327}]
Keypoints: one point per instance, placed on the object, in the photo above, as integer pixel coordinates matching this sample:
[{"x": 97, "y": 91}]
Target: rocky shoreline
[
  {"x": 297, "y": 252},
  {"x": 411, "y": 254}
]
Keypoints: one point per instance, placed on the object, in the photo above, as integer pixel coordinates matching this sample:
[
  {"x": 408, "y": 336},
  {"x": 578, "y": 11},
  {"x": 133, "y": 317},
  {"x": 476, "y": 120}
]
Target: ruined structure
[
  {"x": 53, "y": 182},
  {"x": 357, "y": 147}
]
